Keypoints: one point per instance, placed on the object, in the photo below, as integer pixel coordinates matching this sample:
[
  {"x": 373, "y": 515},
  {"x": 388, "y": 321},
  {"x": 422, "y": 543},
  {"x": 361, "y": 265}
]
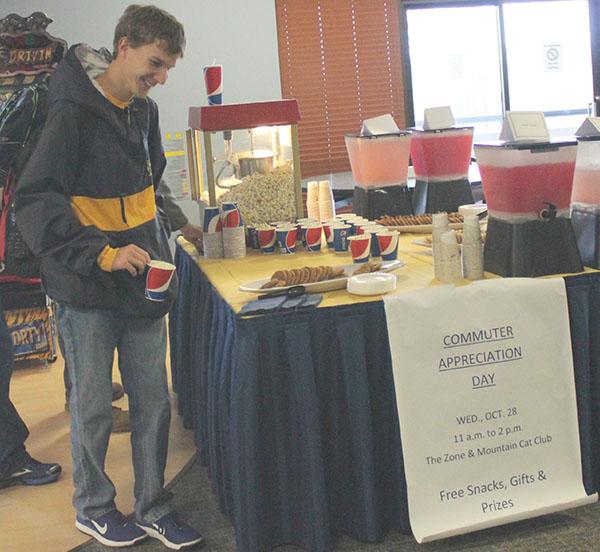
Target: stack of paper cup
[
  {"x": 326, "y": 205},
  {"x": 212, "y": 236},
  {"x": 234, "y": 235},
  {"x": 449, "y": 258},
  {"x": 438, "y": 227},
  {"x": 312, "y": 200},
  {"x": 472, "y": 249}
]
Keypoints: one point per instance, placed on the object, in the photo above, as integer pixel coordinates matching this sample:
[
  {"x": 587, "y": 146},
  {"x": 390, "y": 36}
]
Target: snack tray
[
  {"x": 426, "y": 228},
  {"x": 325, "y": 285}
]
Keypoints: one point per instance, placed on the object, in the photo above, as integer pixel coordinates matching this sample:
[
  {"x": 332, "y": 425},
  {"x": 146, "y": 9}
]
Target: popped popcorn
[{"x": 263, "y": 198}]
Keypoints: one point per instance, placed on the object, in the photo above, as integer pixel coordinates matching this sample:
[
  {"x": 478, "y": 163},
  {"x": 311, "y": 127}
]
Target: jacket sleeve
[
  {"x": 42, "y": 199},
  {"x": 164, "y": 197},
  {"x": 176, "y": 217}
]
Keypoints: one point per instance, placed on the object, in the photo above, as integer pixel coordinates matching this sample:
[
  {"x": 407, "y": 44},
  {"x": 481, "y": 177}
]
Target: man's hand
[
  {"x": 193, "y": 234},
  {"x": 131, "y": 258}
]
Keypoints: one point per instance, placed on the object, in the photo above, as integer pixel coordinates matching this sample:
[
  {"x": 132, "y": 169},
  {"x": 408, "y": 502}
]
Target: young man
[
  {"x": 87, "y": 205},
  {"x": 16, "y": 465}
]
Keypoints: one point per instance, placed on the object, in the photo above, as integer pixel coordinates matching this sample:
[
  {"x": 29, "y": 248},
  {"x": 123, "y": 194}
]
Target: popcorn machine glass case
[{"x": 259, "y": 167}]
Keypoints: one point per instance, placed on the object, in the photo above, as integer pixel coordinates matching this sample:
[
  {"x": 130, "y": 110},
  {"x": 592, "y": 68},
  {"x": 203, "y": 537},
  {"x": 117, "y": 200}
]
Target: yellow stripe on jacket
[{"x": 115, "y": 214}]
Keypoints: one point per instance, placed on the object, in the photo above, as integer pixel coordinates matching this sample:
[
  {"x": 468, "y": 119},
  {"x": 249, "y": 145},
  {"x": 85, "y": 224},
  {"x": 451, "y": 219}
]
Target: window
[{"x": 489, "y": 56}]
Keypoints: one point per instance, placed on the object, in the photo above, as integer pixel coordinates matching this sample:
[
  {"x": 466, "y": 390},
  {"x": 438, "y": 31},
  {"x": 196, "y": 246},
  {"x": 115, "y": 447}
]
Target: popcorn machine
[{"x": 259, "y": 167}]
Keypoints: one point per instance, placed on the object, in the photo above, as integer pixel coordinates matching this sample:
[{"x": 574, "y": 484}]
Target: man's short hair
[{"x": 145, "y": 24}]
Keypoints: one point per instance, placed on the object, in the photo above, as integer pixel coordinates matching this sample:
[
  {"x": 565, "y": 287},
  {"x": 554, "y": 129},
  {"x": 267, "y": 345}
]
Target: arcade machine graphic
[{"x": 28, "y": 54}]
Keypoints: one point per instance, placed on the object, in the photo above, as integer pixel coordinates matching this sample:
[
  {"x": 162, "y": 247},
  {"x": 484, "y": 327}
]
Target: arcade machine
[{"x": 28, "y": 54}]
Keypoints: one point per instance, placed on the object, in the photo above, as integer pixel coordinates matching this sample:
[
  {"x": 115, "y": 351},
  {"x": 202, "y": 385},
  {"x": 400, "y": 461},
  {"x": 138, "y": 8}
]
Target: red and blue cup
[
  {"x": 312, "y": 234},
  {"x": 158, "y": 277},
  {"x": 341, "y": 234},
  {"x": 388, "y": 245},
  {"x": 230, "y": 215},
  {"x": 212, "y": 220},
  {"x": 360, "y": 247},
  {"x": 213, "y": 80},
  {"x": 286, "y": 239},
  {"x": 266, "y": 239}
]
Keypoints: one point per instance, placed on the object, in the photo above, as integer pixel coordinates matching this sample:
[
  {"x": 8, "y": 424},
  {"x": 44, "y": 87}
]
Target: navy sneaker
[
  {"x": 111, "y": 529},
  {"x": 32, "y": 472},
  {"x": 172, "y": 532}
]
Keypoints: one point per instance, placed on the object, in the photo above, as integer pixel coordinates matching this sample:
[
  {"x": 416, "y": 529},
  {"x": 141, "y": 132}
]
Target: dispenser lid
[
  {"x": 547, "y": 145},
  {"x": 438, "y": 130},
  {"x": 375, "y": 136}
]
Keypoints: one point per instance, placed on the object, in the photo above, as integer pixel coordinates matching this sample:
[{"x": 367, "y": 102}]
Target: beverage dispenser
[
  {"x": 379, "y": 167},
  {"x": 441, "y": 160},
  {"x": 585, "y": 201},
  {"x": 527, "y": 187}
]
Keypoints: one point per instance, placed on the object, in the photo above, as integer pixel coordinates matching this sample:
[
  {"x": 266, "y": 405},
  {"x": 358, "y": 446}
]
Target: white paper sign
[
  {"x": 435, "y": 118},
  {"x": 486, "y": 401},
  {"x": 524, "y": 125},
  {"x": 384, "y": 124},
  {"x": 589, "y": 127}
]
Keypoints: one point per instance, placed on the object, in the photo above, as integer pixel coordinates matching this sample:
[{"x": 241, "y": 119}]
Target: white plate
[
  {"x": 423, "y": 242},
  {"x": 373, "y": 283},
  {"x": 422, "y": 228},
  {"x": 325, "y": 285}
]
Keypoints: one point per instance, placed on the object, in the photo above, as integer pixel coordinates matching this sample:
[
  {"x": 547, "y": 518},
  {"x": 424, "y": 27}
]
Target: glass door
[
  {"x": 549, "y": 61},
  {"x": 489, "y": 56}
]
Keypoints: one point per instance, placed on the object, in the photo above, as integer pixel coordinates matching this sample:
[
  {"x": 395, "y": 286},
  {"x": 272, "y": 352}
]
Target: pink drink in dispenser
[
  {"x": 520, "y": 182},
  {"x": 441, "y": 155},
  {"x": 379, "y": 160},
  {"x": 586, "y": 182}
]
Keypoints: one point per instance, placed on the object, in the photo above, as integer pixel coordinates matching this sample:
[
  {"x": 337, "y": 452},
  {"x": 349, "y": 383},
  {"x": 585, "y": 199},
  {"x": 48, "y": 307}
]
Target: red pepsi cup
[
  {"x": 388, "y": 245},
  {"x": 266, "y": 239},
  {"x": 286, "y": 239},
  {"x": 230, "y": 215},
  {"x": 312, "y": 237},
  {"x": 213, "y": 80},
  {"x": 212, "y": 220},
  {"x": 360, "y": 247},
  {"x": 158, "y": 278},
  {"x": 341, "y": 234}
]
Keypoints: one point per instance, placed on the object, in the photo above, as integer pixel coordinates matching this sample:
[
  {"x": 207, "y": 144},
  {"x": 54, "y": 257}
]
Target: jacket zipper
[{"x": 123, "y": 215}]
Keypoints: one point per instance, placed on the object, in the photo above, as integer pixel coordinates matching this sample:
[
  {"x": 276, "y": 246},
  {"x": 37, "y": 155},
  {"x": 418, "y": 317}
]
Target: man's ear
[{"x": 123, "y": 46}]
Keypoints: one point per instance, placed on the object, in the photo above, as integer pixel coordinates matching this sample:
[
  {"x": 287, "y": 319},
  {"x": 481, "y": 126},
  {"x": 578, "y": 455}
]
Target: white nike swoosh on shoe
[
  {"x": 101, "y": 528},
  {"x": 24, "y": 471}
]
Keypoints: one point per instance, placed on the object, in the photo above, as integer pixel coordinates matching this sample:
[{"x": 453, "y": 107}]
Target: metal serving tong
[{"x": 293, "y": 291}]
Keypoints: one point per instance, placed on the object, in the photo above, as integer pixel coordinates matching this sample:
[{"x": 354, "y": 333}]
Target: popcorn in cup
[
  {"x": 360, "y": 247},
  {"x": 311, "y": 236},
  {"x": 158, "y": 277},
  {"x": 388, "y": 245}
]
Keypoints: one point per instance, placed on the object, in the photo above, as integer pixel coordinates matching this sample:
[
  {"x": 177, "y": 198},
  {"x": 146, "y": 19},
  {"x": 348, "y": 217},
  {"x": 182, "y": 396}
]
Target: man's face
[{"x": 144, "y": 67}]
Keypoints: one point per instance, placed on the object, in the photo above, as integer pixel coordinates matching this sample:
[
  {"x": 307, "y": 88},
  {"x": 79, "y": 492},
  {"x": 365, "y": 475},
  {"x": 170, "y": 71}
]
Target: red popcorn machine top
[
  {"x": 441, "y": 161},
  {"x": 379, "y": 167},
  {"x": 527, "y": 187}
]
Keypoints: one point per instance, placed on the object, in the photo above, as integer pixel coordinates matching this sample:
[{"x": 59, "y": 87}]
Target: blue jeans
[
  {"x": 90, "y": 337},
  {"x": 13, "y": 430}
]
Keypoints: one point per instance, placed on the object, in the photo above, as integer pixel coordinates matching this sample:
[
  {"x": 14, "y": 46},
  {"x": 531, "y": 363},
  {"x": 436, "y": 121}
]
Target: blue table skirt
[{"x": 295, "y": 414}]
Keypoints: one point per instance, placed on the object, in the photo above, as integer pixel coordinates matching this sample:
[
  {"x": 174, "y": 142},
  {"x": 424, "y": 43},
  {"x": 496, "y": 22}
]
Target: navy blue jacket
[{"x": 91, "y": 182}]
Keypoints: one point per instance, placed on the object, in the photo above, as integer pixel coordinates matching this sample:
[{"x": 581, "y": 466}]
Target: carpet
[{"x": 576, "y": 530}]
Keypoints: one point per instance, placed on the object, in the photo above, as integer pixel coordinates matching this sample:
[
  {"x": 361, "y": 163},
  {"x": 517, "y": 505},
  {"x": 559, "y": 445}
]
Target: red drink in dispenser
[
  {"x": 518, "y": 184},
  {"x": 585, "y": 200},
  {"x": 443, "y": 155},
  {"x": 527, "y": 187},
  {"x": 380, "y": 168},
  {"x": 379, "y": 160},
  {"x": 441, "y": 161}
]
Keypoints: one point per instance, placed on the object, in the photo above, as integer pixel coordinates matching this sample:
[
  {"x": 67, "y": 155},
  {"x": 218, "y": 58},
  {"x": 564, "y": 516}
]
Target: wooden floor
[{"x": 42, "y": 518}]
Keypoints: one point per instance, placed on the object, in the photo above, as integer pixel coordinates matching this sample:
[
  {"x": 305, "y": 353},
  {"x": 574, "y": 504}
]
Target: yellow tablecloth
[{"x": 226, "y": 275}]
